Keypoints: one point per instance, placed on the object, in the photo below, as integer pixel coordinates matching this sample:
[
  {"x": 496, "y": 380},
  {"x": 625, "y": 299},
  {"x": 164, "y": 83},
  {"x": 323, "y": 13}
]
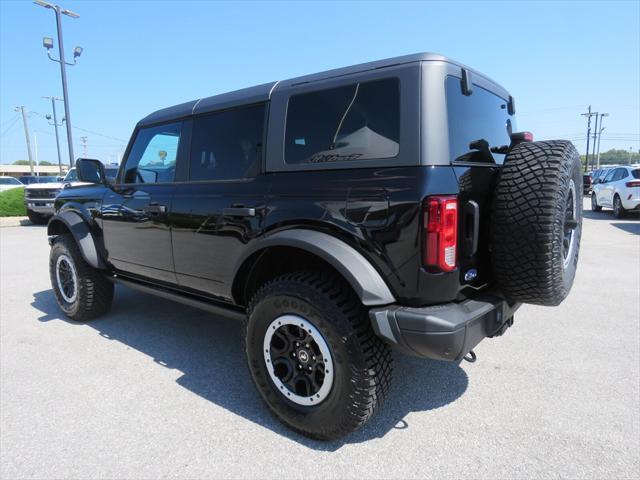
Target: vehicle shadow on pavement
[
  {"x": 608, "y": 215},
  {"x": 208, "y": 351}
]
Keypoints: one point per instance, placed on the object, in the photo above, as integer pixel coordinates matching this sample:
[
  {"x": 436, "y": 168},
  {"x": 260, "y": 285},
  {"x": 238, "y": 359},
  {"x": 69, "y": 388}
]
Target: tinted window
[
  {"x": 227, "y": 145},
  {"x": 354, "y": 122},
  {"x": 622, "y": 174},
  {"x": 635, "y": 173},
  {"x": 481, "y": 117},
  {"x": 609, "y": 176},
  {"x": 153, "y": 156}
]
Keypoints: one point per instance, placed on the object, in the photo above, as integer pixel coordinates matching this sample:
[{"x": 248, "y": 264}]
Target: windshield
[
  {"x": 72, "y": 176},
  {"x": 47, "y": 179},
  {"x": 9, "y": 181},
  {"x": 477, "y": 123}
]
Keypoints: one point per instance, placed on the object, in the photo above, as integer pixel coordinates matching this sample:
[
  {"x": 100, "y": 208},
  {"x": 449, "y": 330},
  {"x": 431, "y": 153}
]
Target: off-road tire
[
  {"x": 94, "y": 293},
  {"x": 594, "y": 203},
  {"x": 529, "y": 225},
  {"x": 618, "y": 209},
  {"x": 362, "y": 362},
  {"x": 36, "y": 218}
]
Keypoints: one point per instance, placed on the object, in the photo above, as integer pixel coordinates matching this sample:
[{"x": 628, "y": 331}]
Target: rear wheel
[
  {"x": 313, "y": 355},
  {"x": 537, "y": 222},
  {"x": 618, "y": 209},
  {"x": 82, "y": 292},
  {"x": 36, "y": 218},
  {"x": 594, "y": 203}
]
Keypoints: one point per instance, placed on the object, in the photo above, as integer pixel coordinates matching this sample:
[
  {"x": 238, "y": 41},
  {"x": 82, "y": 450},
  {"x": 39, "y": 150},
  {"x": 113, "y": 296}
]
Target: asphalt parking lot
[{"x": 156, "y": 389}]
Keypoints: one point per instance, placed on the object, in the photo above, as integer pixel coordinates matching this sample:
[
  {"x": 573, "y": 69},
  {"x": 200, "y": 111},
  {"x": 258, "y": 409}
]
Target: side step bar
[{"x": 185, "y": 299}]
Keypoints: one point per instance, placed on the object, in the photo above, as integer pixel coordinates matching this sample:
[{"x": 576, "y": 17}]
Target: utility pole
[
  {"x": 588, "y": 115},
  {"x": 595, "y": 137},
  {"x": 56, "y": 125},
  {"x": 599, "y": 137},
  {"x": 83, "y": 141},
  {"x": 23, "y": 110},
  {"x": 77, "y": 51}
]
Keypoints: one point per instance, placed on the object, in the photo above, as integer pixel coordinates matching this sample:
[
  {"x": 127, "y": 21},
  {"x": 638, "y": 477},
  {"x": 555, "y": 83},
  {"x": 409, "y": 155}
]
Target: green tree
[{"x": 21, "y": 162}]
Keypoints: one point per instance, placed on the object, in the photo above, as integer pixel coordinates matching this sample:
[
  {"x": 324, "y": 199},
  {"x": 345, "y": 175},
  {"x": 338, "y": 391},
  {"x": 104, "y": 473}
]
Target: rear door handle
[
  {"x": 239, "y": 212},
  {"x": 155, "y": 208}
]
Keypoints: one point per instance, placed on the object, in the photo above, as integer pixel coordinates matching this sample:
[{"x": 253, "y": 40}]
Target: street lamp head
[
  {"x": 77, "y": 52},
  {"x": 47, "y": 42},
  {"x": 43, "y": 4},
  {"x": 69, "y": 13},
  {"x": 47, "y": 116}
]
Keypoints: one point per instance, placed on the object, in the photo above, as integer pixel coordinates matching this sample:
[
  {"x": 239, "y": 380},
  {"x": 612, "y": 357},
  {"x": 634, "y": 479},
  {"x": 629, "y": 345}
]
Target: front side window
[
  {"x": 360, "y": 121},
  {"x": 153, "y": 156},
  {"x": 477, "y": 122},
  {"x": 227, "y": 145},
  {"x": 609, "y": 176}
]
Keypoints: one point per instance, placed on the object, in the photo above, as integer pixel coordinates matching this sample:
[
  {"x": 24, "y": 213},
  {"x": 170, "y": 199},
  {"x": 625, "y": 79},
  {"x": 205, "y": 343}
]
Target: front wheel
[
  {"x": 618, "y": 209},
  {"x": 594, "y": 203},
  {"x": 313, "y": 355},
  {"x": 82, "y": 292}
]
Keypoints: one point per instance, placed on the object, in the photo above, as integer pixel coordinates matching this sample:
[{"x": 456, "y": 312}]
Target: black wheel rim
[
  {"x": 570, "y": 225},
  {"x": 298, "y": 360},
  {"x": 66, "y": 277}
]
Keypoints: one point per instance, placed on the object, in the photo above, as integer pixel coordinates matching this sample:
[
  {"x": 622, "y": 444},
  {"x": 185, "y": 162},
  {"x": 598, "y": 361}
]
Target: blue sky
[{"x": 554, "y": 57}]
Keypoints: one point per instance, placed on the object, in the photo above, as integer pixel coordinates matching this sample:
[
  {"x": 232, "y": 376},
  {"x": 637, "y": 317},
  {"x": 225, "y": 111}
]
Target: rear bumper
[{"x": 443, "y": 332}]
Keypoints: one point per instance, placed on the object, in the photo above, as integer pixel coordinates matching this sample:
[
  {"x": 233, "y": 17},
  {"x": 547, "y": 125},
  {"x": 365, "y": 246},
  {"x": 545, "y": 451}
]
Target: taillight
[
  {"x": 441, "y": 232},
  {"x": 634, "y": 183}
]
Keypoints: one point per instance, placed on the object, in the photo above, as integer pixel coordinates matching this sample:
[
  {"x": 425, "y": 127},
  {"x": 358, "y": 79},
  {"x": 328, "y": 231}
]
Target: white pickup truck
[{"x": 39, "y": 197}]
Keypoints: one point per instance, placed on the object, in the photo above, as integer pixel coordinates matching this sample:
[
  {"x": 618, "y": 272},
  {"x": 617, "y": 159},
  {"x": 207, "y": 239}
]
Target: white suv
[{"x": 619, "y": 190}]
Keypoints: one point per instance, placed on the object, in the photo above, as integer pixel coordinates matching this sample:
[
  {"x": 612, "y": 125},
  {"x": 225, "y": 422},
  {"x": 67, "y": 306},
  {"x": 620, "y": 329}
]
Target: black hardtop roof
[{"x": 262, "y": 93}]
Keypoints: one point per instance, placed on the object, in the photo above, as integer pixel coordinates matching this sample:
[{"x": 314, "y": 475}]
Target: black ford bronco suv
[{"x": 389, "y": 204}]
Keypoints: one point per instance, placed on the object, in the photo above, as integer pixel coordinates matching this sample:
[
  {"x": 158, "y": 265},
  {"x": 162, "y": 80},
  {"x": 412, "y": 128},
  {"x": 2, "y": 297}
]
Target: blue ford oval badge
[{"x": 470, "y": 275}]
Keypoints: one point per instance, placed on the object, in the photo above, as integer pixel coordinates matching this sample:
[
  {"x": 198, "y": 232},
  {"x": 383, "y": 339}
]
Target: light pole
[
  {"x": 77, "y": 51},
  {"x": 600, "y": 136},
  {"x": 55, "y": 126},
  {"x": 27, "y": 137}
]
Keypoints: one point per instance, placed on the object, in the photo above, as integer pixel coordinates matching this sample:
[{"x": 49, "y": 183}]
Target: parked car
[
  {"x": 618, "y": 190},
  {"x": 338, "y": 215},
  {"x": 40, "y": 195},
  {"x": 7, "y": 183},
  {"x": 586, "y": 184}
]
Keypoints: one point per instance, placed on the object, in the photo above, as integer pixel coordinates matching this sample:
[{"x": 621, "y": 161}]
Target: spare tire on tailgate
[{"x": 537, "y": 222}]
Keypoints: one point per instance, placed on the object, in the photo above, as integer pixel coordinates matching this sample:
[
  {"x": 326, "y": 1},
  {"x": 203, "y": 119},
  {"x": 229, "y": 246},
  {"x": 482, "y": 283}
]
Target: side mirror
[{"x": 91, "y": 171}]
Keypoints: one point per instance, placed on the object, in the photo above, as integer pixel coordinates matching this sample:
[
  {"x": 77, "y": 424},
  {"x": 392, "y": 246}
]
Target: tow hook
[{"x": 470, "y": 357}]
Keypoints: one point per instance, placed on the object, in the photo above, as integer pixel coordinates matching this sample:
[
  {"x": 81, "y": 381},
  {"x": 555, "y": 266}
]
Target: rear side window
[
  {"x": 360, "y": 121},
  {"x": 227, "y": 145},
  {"x": 481, "y": 119},
  {"x": 635, "y": 173},
  {"x": 153, "y": 156},
  {"x": 621, "y": 175}
]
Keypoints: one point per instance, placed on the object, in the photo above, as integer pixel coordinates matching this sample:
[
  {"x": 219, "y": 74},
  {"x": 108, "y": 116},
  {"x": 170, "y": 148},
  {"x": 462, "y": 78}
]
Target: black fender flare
[
  {"x": 81, "y": 233},
  {"x": 353, "y": 266}
]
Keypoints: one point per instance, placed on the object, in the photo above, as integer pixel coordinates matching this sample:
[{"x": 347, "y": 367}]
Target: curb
[{"x": 14, "y": 221}]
